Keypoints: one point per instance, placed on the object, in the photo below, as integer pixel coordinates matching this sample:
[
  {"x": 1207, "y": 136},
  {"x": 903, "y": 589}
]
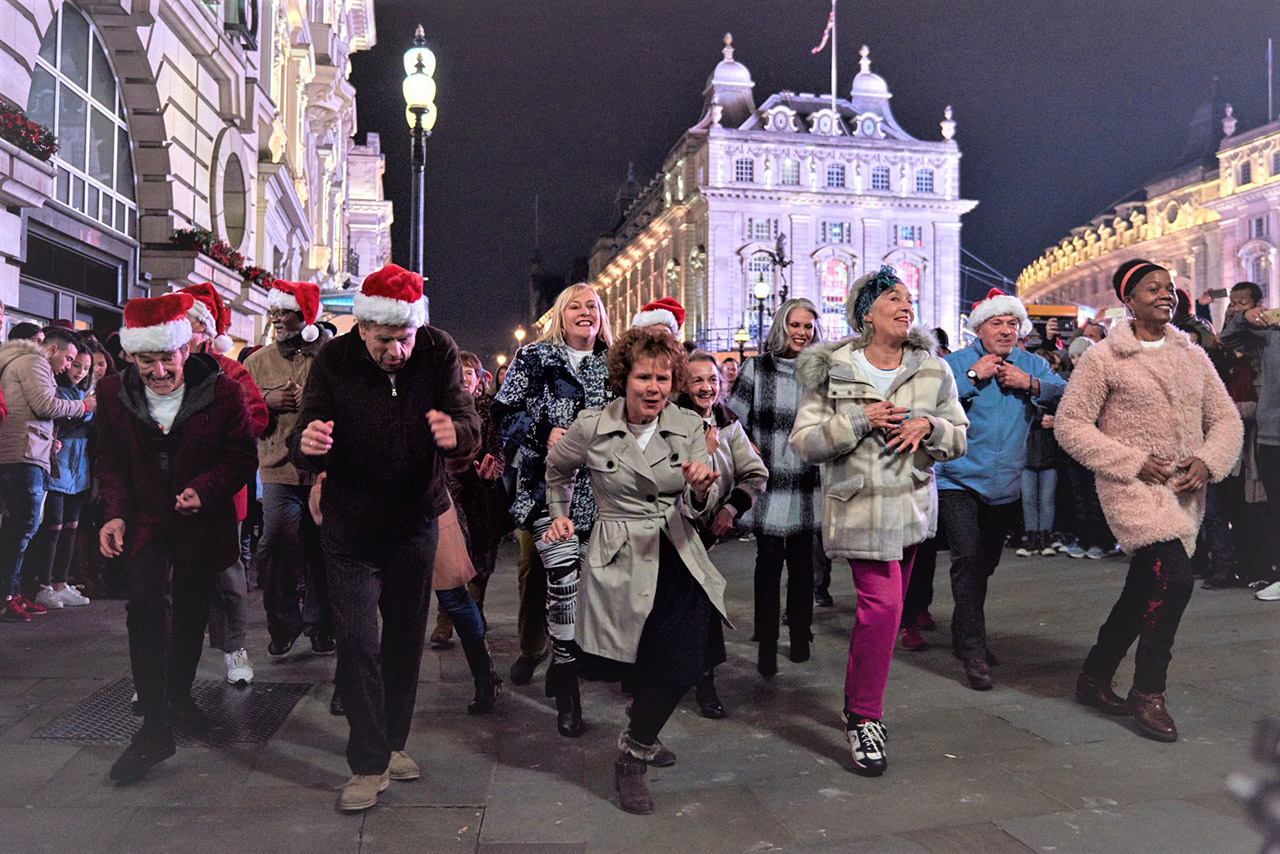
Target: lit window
[
  {"x": 762, "y": 229},
  {"x": 744, "y": 171},
  {"x": 833, "y": 277},
  {"x": 835, "y": 175},
  {"x": 910, "y": 276},
  {"x": 1246, "y": 173},
  {"x": 879, "y": 177},
  {"x": 74, "y": 92},
  {"x": 791, "y": 172},
  {"x": 908, "y": 235},
  {"x": 837, "y": 232},
  {"x": 924, "y": 180}
]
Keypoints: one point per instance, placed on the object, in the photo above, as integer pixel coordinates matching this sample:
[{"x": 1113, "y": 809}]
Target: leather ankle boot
[
  {"x": 1151, "y": 716},
  {"x": 562, "y": 683},
  {"x": 1098, "y": 694},
  {"x": 487, "y": 682},
  {"x": 708, "y": 699}
]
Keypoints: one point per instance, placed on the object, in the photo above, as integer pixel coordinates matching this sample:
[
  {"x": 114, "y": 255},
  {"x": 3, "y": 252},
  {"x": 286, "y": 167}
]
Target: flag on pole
[{"x": 826, "y": 34}]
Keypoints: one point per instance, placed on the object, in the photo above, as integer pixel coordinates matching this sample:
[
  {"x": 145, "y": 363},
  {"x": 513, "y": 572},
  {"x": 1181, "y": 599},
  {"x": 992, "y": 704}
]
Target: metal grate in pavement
[{"x": 249, "y": 715}]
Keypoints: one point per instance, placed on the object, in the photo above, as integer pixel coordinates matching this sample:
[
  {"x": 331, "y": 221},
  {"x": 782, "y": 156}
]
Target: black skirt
[{"x": 682, "y": 638}]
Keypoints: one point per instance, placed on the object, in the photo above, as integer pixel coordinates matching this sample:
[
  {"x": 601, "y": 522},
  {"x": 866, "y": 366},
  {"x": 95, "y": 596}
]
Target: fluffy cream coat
[{"x": 1126, "y": 402}]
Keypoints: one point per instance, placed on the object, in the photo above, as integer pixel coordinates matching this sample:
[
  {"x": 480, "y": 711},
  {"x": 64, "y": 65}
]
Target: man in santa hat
[
  {"x": 1002, "y": 388},
  {"x": 228, "y": 613},
  {"x": 383, "y": 404},
  {"x": 174, "y": 447},
  {"x": 289, "y": 548}
]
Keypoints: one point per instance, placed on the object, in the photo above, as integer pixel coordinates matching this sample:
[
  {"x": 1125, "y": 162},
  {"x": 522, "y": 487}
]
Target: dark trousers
[
  {"x": 22, "y": 489},
  {"x": 821, "y": 568},
  {"x": 1092, "y": 524},
  {"x": 166, "y": 615},
  {"x": 294, "y": 595},
  {"x": 1156, "y": 592},
  {"x": 48, "y": 558},
  {"x": 796, "y": 551},
  {"x": 531, "y": 613},
  {"x": 920, "y": 586},
  {"x": 976, "y": 531},
  {"x": 652, "y": 707},
  {"x": 1269, "y": 470},
  {"x": 376, "y": 572}
]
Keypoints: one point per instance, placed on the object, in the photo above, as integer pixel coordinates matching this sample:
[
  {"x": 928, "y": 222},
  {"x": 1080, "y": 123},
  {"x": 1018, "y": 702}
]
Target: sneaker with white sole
[
  {"x": 1094, "y": 553},
  {"x": 1075, "y": 551},
  {"x": 71, "y": 596},
  {"x": 1270, "y": 593},
  {"x": 867, "y": 744},
  {"x": 239, "y": 670},
  {"x": 49, "y": 597}
]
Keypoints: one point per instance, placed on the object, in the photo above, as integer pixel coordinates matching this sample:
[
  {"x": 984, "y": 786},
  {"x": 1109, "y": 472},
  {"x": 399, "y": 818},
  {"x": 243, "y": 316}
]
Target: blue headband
[{"x": 885, "y": 279}]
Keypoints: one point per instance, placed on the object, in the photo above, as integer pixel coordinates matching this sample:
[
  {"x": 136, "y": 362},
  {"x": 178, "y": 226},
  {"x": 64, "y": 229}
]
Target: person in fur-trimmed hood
[
  {"x": 1146, "y": 411},
  {"x": 879, "y": 409}
]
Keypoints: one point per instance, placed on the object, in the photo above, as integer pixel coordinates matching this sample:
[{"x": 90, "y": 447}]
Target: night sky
[{"x": 1063, "y": 108}]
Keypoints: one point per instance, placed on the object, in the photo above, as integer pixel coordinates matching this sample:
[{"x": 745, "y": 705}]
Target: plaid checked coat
[
  {"x": 765, "y": 398},
  {"x": 876, "y": 503}
]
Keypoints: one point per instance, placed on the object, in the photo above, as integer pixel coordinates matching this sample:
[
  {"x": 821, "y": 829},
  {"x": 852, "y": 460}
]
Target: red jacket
[
  {"x": 259, "y": 416},
  {"x": 210, "y": 448}
]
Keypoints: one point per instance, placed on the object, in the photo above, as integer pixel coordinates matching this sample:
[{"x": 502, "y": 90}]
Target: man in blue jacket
[{"x": 1000, "y": 387}]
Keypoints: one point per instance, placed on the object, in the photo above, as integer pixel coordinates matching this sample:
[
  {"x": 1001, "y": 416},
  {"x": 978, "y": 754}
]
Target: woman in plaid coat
[
  {"x": 785, "y": 518},
  {"x": 878, "y": 411}
]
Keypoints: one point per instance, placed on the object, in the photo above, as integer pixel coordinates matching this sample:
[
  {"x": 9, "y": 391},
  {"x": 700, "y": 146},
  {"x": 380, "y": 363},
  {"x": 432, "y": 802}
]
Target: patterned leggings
[{"x": 562, "y": 561}]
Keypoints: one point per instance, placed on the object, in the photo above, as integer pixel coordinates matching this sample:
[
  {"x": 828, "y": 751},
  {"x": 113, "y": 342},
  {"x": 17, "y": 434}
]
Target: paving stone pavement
[{"x": 1020, "y": 768}]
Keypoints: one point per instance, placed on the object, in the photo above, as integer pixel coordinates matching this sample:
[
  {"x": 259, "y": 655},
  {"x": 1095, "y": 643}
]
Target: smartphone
[
  {"x": 1217, "y": 293},
  {"x": 1272, "y": 315},
  {"x": 1116, "y": 312}
]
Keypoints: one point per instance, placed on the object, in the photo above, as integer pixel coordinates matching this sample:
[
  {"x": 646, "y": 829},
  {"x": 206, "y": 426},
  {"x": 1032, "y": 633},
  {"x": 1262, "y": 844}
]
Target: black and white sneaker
[{"x": 866, "y": 741}]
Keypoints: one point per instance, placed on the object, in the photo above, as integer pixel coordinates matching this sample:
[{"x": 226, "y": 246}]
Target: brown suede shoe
[
  {"x": 1098, "y": 694},
  {"x": 977, "y": 673},
  {"x": 1151, "y": 716},
  {"x": 629, "y": 783}
]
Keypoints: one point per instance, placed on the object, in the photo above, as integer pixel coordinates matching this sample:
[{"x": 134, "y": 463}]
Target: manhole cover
[{"x": 249, "y": 715}]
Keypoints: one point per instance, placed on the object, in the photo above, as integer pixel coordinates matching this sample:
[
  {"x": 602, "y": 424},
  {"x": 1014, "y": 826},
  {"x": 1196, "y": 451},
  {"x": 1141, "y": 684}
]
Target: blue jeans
[
  {"x": 462, "y": 611},
  {"x": 295, "y": 595},
  {"x": 1039, "y": 492},
  {"x": 22, "y": 490}
]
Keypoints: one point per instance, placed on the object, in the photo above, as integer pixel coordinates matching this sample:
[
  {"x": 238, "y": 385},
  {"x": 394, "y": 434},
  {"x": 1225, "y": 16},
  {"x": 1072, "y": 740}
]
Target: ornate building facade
[
  {"x": 197, "y": 141},
  {"x": 794, "y": 194},
  {"x": 1211, "y": 224}
]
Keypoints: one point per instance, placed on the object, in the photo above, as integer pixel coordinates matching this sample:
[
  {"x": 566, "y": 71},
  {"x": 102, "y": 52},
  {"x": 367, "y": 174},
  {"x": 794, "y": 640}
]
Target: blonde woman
[{"x": 549, "y": 383}]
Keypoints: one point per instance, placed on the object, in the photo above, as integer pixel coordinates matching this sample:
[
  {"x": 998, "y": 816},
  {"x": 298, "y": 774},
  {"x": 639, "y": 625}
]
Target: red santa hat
[
  {"x": 999, "y": 304},
  {"x": 210, "y": 310},
  {"x": 661, "y": 312},
  {"x": 391, "y": 296},
  {"x": 156, "y": 324},
  {"x": 302, "y": 297}
]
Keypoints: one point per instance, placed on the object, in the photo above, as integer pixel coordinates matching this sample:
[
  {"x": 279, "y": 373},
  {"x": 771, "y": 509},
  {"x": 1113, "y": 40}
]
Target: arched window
[
  {"x": 835, "y": 175},
  {"x": 74, "y": 92},
  {"x": 833, "y": 281}
]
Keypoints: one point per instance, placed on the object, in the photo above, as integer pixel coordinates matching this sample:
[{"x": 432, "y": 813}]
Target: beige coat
[
  {"x": 875, "y": 503},
  {"x": 26, "y": 379},
  {"x": 641, "y": 495},
  {"x": 271, "y": 370}
]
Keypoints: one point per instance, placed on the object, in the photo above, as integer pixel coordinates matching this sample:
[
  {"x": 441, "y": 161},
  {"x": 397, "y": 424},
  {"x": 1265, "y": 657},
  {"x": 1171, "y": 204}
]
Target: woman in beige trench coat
[{"x": 648, "y": 591}]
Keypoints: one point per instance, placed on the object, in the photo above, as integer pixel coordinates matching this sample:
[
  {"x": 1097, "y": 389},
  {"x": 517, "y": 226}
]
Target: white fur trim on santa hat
[
  {"x": 386, "y": 311},
  {"x": 282, "y": 300},
  {"x": 1001, "y": 306},
  {"x": 657, "y": 317},
  {"x": 161, "y": 338},
  {"x": 199, "y": 312},
  {"x": 222, "y": 343}
]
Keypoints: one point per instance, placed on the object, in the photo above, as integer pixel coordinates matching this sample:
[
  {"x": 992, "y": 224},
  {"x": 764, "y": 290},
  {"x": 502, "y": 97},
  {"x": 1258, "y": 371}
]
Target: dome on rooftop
[{"x": 866, "y": 84}]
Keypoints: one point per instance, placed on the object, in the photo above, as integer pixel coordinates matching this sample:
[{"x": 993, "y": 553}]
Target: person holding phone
[{"x": 1146, "y": 411}]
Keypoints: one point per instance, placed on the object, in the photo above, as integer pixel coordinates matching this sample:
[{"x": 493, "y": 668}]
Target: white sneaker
[
  {"x": 1024, "y": 551},
  {"x": 48, "y": 597},
  {"x": 1075, "y": 551},
  {"x": 1270, "y": 593},
  {"x": 1094, "y": 553},
  {"x": 71, "y": 596},
  {"x": 239, "y": 670}
]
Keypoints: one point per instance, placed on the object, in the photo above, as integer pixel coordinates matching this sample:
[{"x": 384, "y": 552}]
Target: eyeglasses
[{"x": 278, "y": 314}]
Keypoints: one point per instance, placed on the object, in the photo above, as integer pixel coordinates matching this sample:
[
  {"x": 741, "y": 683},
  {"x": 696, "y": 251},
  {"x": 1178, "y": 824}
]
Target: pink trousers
[{"x": 881, "y": 587}]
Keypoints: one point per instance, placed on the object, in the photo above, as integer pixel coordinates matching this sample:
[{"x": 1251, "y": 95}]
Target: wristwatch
[{"x": 972, "y": 375}]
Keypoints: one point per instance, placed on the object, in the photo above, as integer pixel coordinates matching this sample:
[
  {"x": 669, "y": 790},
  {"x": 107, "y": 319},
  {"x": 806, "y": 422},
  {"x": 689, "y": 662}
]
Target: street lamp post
[
  {"x": 762, "y": 291},
  {"x": 741, "y": 337},
  {"x": 420, "y": 111}
]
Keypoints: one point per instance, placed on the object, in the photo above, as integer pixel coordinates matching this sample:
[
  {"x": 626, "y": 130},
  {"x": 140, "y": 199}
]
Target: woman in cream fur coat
[{"x": 1146, "y": 411}]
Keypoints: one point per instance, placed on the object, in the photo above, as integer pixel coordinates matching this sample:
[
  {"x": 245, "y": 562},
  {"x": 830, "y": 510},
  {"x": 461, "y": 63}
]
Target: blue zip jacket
[
  {"x": 999, "y": 420},
  {"x": 69, "y": 467}
]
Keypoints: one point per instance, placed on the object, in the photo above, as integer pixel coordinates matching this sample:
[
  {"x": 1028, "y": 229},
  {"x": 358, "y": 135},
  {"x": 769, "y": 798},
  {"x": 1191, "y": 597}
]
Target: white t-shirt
[
  {"x": 576, "y": 357},
  {"x": 1151, "y": 345},
  {"x": 881, "y": 379},
  {"x": 643, "y": 432},
  {"x": 164, "y": 407}
]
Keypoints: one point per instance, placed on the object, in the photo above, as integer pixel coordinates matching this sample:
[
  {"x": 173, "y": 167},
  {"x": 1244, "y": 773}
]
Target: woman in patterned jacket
[{"x": 548, "y": 384}]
